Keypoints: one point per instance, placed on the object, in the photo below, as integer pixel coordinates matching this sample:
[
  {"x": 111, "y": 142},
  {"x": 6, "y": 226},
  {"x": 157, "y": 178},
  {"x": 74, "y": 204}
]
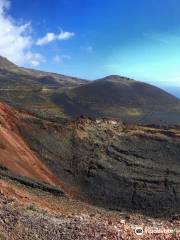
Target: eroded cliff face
[
  {"x": 131, "y": 167},
  {"x": 100, "y": 161},
  {"x": 113, "y": 165}
]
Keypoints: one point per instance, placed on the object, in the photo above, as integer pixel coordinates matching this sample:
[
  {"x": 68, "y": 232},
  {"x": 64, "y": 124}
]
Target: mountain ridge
[
  {"x": 38, "y": 75},
  {"x": 113, "y": 96},
  {"x": 6, "y": 64},
  {"x": 117, "y": 97}
]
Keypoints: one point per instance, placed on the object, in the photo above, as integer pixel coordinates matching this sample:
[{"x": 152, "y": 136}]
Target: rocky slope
[
  {"x": 103, "y": 162},
  {"x": 46, "y": 166},
  {"x": 17, "y": 156},
  {"x": 28, "y": 213},
  {"x": 113, "y": 165}
]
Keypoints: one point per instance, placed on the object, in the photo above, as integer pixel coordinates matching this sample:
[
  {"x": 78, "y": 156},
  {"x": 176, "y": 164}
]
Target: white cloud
[
  {"x": 35, "y": 58},
  {"x": 47, "y": 39},
  {"x": 60, "y": 59},
  {"x": 65, "y": 35},
  {"x": 50, "y": 37},
  {"x": 15, "y": 40}
]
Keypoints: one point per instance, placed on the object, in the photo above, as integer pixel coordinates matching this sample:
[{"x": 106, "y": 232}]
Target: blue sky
[{"x": 95, "y": 38}]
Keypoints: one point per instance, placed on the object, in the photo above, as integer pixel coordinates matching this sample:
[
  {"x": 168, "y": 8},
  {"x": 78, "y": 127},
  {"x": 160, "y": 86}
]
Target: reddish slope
[{"x": 15, "y": 154}]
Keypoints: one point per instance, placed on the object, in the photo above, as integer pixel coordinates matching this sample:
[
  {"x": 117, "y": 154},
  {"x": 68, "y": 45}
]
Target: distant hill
[
  {"x": 12, "y": 76},
  {"x": 30, "y": 89},
  {"x": 116, "y": 90},
  {"x": 58, "y": 96},
  {"x": 117, "y": 97}
]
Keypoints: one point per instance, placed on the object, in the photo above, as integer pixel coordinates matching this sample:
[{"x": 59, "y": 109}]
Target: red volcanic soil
[{"x": 16, "y": 155}]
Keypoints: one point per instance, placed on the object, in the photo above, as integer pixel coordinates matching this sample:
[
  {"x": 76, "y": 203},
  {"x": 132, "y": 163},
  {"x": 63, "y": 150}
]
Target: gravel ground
[
  {"x": 19, "y": 222},
  {"x": 16, "y": 223}
]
